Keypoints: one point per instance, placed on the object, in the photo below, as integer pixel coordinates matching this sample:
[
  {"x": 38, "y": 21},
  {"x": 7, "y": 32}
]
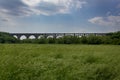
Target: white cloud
[
  {"x": 38, "y": 7},
  {"x": 31, "y": 2},
  {"x": 50, "y": 7},
  {"x": 106, "y": 21},
  {"x": 11, "y": 9}
]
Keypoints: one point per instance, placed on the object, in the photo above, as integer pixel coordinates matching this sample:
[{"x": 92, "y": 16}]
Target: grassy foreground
[{"x": 59, "y": 62}]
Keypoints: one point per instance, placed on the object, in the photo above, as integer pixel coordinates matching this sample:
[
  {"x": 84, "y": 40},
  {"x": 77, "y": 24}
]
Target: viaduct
[{"x": 54, "y": 35}]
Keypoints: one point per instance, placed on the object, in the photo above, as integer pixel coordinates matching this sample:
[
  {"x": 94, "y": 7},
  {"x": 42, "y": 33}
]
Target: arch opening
[
  {"x": 23, "y": 37},
  {"x": 41, "y": 36},
  {"x": 32, "y": 37},
  {"x": 50, "y": 36},
  {"x": 15, "y": 36},
  {"x": 59, "y": 37}
]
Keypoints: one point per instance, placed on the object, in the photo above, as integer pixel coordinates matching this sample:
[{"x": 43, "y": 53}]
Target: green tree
[{"x": 7, "y": 38}]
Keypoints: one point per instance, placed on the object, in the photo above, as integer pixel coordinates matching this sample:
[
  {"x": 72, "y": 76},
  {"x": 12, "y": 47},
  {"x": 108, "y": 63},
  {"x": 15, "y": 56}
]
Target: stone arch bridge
[{"x": 54, "y": 35}]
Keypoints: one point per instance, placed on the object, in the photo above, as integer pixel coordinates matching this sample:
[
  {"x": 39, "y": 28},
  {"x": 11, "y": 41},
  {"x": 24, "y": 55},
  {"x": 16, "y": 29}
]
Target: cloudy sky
[{"x": 59, "y": 15}]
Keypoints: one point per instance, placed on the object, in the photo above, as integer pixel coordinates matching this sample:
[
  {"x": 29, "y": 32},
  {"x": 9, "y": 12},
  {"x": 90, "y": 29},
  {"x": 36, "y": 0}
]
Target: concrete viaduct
[{"x": 54, "y": 35}]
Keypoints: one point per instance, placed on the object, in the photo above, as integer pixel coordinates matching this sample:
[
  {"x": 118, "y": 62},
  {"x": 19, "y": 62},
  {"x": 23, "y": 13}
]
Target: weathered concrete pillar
[
  {"x": 55, "y": 36},
  {"x": 36, "y": 36},
  {"x": 74, "y": 34},
  {"x": 64, "y": 35},
  {"x": 45, "y": 35},
  {"x": 27, "y": 36},
  {"x": 18, "y": 37}
]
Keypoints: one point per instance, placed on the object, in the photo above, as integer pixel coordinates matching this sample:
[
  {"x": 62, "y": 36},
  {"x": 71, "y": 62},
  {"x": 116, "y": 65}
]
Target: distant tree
[
  {"x": 115, "y": 37},
  {"x": 42, "y": 40},
  {"x": 106, "y": 40},
  {"x": 51, "y": 40},
  {"x": 92, "y": 39},
  {"x": 67, "y": 39},
  {"x": 7, "y": 38},
  {"x": 83, "y": 40}
]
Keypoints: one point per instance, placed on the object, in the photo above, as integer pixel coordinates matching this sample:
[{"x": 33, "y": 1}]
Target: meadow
[{"x": 59, "y": 62}]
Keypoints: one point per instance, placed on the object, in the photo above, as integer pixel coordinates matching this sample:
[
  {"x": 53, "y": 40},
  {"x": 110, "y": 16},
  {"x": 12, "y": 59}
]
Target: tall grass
[{"x": 59, "y": 62}]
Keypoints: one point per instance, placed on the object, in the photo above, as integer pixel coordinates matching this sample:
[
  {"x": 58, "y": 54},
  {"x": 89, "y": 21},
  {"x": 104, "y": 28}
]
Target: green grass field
[{"x": 59, "y": 62}]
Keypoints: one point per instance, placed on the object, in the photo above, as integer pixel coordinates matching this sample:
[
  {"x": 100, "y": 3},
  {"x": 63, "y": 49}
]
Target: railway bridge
[{"x": 53, "y": 35}]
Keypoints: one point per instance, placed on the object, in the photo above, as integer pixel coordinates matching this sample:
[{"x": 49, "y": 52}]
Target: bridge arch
[
  {"x": 32, "y": 37},
  {"x": 15, "y": 36},
  {"x": 22, "y": 37},
  {"x": 41, "y": 36},
  {"x": 59, "y": 36},
  {"x": 50, "y": 36}
]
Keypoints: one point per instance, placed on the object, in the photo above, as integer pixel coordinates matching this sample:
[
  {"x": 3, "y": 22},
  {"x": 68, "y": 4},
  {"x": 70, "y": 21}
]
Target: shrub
[
  {"x": 51, "y": 40},
  {"x": 60, "y": 40},
  {"x": 7, "y": 38},
  {"x": 42, "y": 41},
  {"x": 94, "y": 40},
  {"x": 83, "y": 40},
  {"x": 67, "y": 39},
  {"x": 106, "y": 40}
]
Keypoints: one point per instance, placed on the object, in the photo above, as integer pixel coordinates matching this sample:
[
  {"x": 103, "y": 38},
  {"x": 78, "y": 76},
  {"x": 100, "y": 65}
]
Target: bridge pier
[
  {"x": 27, "y": 36},
  {"x": 54, "y": 36},
  {"x": 45, "y": 36},
  {"x": 18, "y": 37},
  {"x": 36, "y": 37}
]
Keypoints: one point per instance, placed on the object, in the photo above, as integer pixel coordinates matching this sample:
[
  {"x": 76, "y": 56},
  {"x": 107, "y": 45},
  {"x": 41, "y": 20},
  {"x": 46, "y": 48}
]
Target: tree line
[{"x": 110, "y": 38}]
